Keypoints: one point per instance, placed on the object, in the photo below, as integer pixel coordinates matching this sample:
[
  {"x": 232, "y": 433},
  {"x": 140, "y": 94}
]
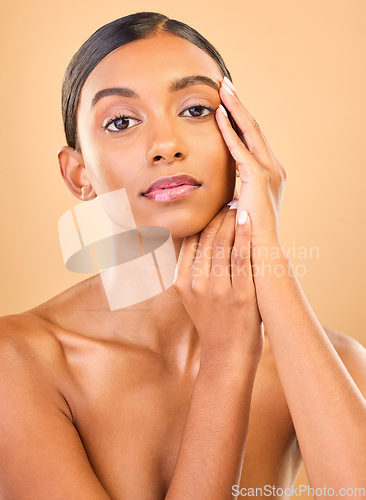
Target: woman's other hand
[
  {"x": 214, "y": 281},
  {"x": 262, "y": 174}
]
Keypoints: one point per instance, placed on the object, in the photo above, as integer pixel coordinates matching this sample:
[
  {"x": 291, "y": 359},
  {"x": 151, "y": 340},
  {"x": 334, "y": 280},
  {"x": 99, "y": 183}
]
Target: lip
[
  {"x": 171, "y": 193},
  {"x": 172, "y": 182}
]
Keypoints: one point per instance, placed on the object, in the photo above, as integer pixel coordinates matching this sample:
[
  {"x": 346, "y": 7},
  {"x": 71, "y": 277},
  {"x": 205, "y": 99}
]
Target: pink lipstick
[{"x": 172, "y": 188}]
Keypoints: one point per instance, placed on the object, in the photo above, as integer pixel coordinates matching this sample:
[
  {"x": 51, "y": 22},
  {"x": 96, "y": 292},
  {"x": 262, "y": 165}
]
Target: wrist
[
  {"x": 270, "y": 259},
  {"x": 232, "y": 362},
  {"x": 269, "y": 246}
]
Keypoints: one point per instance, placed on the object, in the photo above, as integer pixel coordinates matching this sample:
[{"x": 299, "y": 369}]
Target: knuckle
[
  {"x": 263, "y": 175},
  {"x": 284, "y": 176},
  {"x": 233, "y": 147},
  {"x": 284, "y": 172},
  {"x": 182, "y": 283},
  {"x": 256, "y": 125},
  {"x": 277, "y": 177},
  {"x": 217, "y": 293},
  {"x": 179, "y": 285},
  {"x": 239, "y": 256},
  {"x": 238, "y": 260},
  {"x": 240, "y": 297},
  {"x": 220, "y": 242},
  {"x": 208, "y": 233},
  {"x": 242, "y": 231},
  {"x": 198, "y": 287},
  {"x": 246, "y": 295}
]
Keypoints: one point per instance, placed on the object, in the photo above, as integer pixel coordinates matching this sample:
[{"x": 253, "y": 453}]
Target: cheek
[
  {"x": 101, "y": 163},
  {"x": 107, "y": 169},
  {"x": 218, "y": 161}
]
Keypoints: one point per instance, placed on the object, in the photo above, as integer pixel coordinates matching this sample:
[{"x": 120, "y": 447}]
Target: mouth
[{"x": 171, "y": 188}]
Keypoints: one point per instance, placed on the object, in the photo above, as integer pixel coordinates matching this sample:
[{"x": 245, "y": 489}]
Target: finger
[
  {"x": 203, "y": 260},
  {"x": 221, "y": 251},
  {"x": 241, "y": 269},
  {"x": 229, "y": 83},
  {"x": 236, "y": 147},
  {"x": 251, "y": 132},
  {"x": 186, "y": 257}
]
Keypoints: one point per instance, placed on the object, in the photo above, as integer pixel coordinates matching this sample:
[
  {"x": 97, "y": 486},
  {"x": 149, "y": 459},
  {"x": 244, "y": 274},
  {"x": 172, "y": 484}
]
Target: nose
[{"x": 166, "y": 146}]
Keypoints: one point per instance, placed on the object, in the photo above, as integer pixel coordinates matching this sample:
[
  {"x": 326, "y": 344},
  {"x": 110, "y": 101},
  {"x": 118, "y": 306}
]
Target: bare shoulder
[
  {"x": 39, "y": 439},
  {"x": 352, "y": 354},
  {"x": 28, "y": 335},
  {"x": 347, "y": 347},
  {"x": 31, "y": 356}
]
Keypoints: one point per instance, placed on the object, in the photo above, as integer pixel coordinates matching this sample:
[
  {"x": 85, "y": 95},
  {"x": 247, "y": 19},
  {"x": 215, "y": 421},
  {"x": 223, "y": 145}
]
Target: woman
[{"x": 183, "y": 395}]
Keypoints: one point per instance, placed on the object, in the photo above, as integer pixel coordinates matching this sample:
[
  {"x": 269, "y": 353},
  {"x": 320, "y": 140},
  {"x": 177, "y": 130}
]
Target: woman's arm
[
  {"x": 327, "y": 407},
  {"x": 211, "y": 452},
  {"x": 41, "y": 454},
  {"x": 215, "y": 284}
]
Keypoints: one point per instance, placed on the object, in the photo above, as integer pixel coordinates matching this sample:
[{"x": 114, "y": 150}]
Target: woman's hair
[{"x": 108, "y": 38}]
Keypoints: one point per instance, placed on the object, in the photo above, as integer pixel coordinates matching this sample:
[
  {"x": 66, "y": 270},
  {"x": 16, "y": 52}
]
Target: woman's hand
[
  {"x": 214, "y": 281},
  {"x": 262, "y": 174}
]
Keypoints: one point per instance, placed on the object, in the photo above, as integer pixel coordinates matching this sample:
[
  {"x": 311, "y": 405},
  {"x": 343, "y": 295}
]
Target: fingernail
[
  {"x": 243, "y": 217},
  {"x": 227, "y": 88},
  {"x": 233, "y": 204},
  {"x": 223, "y": 109},
  {"x": 230, "y": 83}
]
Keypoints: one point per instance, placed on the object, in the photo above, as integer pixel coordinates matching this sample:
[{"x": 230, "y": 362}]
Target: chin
[
  {"x": 188, "y": 218},
  {"x": 180, "y": 230},
  {"x": 189, "y": 224}
]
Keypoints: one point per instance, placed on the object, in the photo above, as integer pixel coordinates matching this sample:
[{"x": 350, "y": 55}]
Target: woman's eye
[
  {"x": 120, "y": 123},
  {"x": 198, "y": 111}
]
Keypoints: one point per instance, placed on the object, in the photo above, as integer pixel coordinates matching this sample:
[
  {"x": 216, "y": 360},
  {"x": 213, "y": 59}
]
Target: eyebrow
[{"x": 175, "y": 86}]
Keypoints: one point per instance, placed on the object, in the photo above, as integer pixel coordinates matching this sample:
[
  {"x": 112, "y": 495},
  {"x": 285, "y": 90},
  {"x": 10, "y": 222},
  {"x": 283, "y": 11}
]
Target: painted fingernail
[
  {"x": 227, "y": 88},
  {"x": 233, "y": 204},
  {"x": 243, "y": 217},
  {"x": 222, "y": 109},
  {"x": 230, "y": 83}
]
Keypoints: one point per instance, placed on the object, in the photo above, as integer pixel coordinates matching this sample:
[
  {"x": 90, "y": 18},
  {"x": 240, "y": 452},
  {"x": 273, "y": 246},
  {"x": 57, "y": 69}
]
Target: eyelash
[{"x": 125, "y": 117}]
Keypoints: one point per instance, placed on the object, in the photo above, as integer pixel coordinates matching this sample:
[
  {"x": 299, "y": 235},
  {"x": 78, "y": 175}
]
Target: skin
[{"x": 141, "y": 389}]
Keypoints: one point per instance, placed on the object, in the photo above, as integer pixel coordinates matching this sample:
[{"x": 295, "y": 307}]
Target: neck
[{"x": 159, "y": 323}]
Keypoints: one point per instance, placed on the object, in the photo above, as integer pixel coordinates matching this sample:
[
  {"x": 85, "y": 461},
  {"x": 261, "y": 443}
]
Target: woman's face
[{"x": 163, "y": 126}]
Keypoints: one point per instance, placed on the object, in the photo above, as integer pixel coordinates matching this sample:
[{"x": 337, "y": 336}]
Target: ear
[{"x": 72, "y": 169}]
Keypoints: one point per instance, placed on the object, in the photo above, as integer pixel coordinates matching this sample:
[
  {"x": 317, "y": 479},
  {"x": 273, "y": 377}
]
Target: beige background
[{"x": 300, "y": 69}]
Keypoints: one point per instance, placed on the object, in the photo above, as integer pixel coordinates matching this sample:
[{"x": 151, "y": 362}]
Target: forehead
[{"x": 149, "y": 63}]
